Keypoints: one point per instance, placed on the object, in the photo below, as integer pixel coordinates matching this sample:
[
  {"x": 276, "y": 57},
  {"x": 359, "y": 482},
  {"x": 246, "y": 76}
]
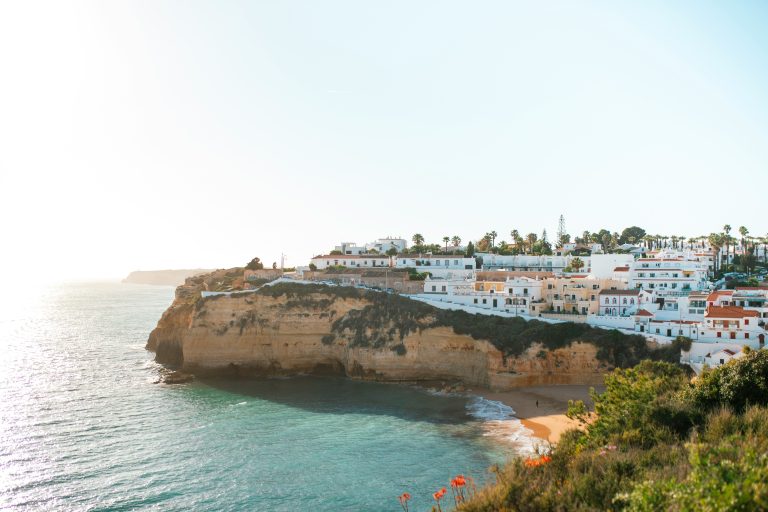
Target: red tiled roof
[
  {"x": 621, "y": 269},
  {"x": 620, "y": 292},
  {"x": 761, "y": 288},
  {"x": 714, "y": 295},
  {"x": 729, "y": 352},
  {"x": 729, "y": 312},
  {"x": 643, "y": 312}
]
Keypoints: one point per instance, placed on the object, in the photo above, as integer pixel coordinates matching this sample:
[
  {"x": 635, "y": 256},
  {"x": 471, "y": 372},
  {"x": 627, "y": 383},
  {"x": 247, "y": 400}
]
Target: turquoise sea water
[{"x": 83, "y": 426}]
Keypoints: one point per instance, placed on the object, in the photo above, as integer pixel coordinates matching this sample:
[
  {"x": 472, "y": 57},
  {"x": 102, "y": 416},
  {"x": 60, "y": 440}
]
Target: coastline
[{"x": 547, "y": 421}]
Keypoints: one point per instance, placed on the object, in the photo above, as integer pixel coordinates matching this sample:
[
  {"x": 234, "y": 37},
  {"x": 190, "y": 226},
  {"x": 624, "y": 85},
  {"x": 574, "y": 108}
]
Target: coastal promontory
[{"x": 294, "y": 328}]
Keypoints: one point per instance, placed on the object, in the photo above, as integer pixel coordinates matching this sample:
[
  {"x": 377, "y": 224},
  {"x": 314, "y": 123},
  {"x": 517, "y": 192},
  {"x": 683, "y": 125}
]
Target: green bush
[{"x": 656, "y": 441}]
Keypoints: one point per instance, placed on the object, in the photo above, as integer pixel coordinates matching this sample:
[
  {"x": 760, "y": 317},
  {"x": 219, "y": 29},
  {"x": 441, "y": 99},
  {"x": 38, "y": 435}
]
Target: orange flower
[
  {"x": 406, "y": 496},
  {"x": 437, "y": 496},
  {"x": 460, "y": 481}
]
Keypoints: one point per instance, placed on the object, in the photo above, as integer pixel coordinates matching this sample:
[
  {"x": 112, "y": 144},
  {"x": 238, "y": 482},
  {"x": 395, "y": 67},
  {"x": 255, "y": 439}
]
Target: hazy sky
[{"x": 164, "y": 134}]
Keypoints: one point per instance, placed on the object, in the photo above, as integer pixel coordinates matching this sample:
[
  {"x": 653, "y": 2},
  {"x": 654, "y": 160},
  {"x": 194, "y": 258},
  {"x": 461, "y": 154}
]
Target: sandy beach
[{"x": 547, "y": 420}]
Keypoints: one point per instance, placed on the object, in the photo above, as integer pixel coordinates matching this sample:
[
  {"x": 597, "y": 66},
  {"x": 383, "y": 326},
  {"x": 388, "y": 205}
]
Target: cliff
[{"x": 290, "y": 329}]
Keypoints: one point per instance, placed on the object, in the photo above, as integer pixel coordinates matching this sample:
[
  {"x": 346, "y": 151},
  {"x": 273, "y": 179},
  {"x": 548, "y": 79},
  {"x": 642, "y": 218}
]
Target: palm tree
[
  {"x": 648, "y": 239},
  {"x": 446, "y": 239},
  {"x": 577, "y": 264},
  {"x": 532, "y": 238},
  {"x": 418, "y": 240},
  {"x": 743, "y": 232},
  {"x": 456, "y": 240},
  {"x": 493, "y": 236},
  {"x": 727, "y": 240},
  {"x": 716, "y": 241}
]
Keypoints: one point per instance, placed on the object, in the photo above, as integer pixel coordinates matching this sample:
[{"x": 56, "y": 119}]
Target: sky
[{"x": 199, "y": 134}]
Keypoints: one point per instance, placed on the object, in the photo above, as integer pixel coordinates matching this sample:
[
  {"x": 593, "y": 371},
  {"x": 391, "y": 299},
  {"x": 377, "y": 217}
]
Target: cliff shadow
[{"x": 337, "y": 395}]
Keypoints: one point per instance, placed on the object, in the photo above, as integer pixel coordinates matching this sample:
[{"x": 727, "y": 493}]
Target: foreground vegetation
[
  {"x": 388, "y": 319},
  {"x": 656, "y": 441}
]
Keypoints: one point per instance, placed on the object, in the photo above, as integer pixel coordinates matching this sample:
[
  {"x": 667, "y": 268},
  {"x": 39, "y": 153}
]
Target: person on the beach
[{"x": 537, "y": 404}]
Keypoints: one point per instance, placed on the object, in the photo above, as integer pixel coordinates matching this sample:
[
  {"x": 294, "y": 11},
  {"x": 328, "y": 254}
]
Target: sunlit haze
[{"x": 170, "y": 134}]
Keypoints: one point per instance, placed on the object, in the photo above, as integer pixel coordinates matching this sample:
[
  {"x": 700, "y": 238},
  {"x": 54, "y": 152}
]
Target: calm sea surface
[{"x": 84, "y": 427}]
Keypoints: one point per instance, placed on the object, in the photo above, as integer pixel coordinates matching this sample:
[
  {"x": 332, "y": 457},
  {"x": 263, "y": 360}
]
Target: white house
[
  {"x": 351, "y": 261},
  {"x": 620, "y": 302},
  {"x": 733, "y": 324},
  {"x": 448, "y": 287},
  {"x": 668, "y": 276},
  {"x": 427, "y": 262},
  {"x": 382, "y": 245},
  {"x": 722, "y": 356}
]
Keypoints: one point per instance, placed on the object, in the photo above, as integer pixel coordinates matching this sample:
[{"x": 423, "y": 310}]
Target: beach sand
[{"x": 547, "y": 421}]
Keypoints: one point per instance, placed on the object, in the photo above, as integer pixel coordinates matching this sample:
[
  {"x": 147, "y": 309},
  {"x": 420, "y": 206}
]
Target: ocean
[{"x": 84, "y": 426}]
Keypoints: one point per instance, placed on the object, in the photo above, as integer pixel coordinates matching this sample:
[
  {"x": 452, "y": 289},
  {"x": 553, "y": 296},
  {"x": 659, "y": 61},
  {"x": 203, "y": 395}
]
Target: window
[
  {"x": 733, "y": 335},
  {"x": 625, "y": 300},
  {"x": 631, "y": 301},
  {"x": 434, "y": 288},
  {"x": 485, "y": 301},
  {"x": 719, "y": 335},
  {"x": 607, "y": 301},
  {"x": 614, "y": 300},
  {"x": 746, "y": 321},
  {"x": 475, "y": 301},
  {"x": 443, "y": 287},
  {"x": 746, "y": 335},
  {"x": 525, "y": 291},
  {"x": 455, "y": 262}
]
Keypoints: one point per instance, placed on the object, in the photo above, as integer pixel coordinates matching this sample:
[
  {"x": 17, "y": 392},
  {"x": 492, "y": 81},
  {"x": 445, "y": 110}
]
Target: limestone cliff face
[{"x": 270, "y": 335}]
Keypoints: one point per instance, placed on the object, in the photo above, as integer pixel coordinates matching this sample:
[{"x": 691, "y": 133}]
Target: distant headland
[{"x": 163, "y": 277}]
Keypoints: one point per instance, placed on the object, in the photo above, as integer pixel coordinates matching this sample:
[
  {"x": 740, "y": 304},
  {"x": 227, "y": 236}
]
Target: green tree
[
  {"x": 470, "y": 250},
  {"x": 577, "y": 264},
  {"x": 634, "y": 232},
  {"x": 531, "y": 238},
  {"x": 456, "y": 240},
  {"x": 446, "y": 239},
  {"x": 743, "y": 232},
  {"x": 418, "y": 239},
  {"x": 716, "y": 241},
  {"x": 255, "y": 264}
]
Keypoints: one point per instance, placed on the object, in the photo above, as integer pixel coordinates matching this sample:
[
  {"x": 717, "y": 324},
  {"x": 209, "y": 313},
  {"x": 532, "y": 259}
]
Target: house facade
[{"x": 351, "y": 261}]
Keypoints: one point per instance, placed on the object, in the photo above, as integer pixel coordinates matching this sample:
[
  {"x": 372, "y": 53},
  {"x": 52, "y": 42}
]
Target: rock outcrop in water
[{"x": 290, "y": 329}]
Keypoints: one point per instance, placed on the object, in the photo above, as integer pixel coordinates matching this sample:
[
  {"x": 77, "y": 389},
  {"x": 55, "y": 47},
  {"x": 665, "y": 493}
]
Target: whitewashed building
[
  {"x": 621, "y": 302},
  {"x": 351, "y": 261},
  {"x": 382, "y": 245},
  {"x": 668, "y": 276}
]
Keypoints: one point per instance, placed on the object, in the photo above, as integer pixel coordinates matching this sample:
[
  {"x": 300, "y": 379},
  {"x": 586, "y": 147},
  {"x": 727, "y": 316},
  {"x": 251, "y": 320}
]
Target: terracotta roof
[
  {"x": 761, "y": 288},
  {"x": 620, "y": 292},
  {"x": 729, "y": 312},
  {"x": 621, "y": 269},
  {"x": 643, "y": 312},
  {"x": 729, "y": 352},
  {"x": 714, "y": 295}
]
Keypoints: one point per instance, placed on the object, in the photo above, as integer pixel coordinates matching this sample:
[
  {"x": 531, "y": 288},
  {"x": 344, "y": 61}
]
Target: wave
[{"x": 499, "y": 421}]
